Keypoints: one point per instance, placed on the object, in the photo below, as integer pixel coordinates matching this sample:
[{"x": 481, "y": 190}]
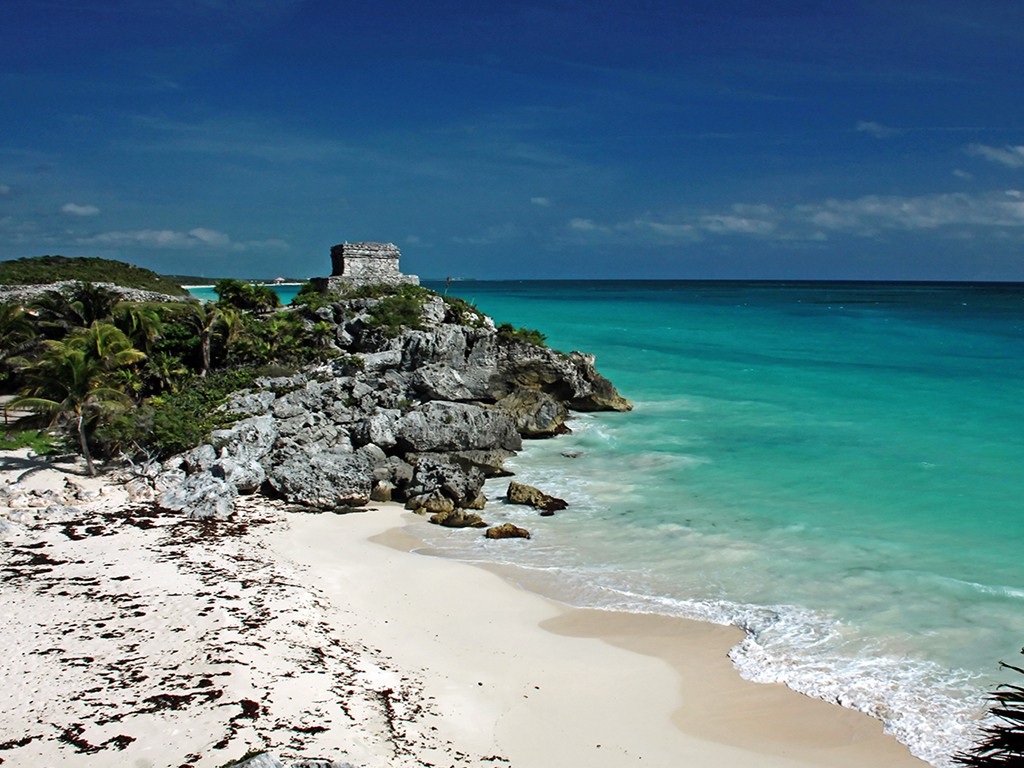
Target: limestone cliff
[{"x": 422, "y": 414}]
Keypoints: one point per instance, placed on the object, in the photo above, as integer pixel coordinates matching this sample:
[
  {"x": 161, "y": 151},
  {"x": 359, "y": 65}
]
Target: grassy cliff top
[{"x": 50, "y": 269}]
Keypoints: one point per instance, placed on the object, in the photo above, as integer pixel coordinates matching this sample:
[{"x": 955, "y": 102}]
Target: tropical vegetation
[
  {"x": 130, "y": 377},
  {"x": 143, "y": 379},
  {"x": 1002, "y": 742},
  {"x": 51, "y": 269}
]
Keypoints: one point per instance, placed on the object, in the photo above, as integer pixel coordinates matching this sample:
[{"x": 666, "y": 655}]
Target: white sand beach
[{"x": 140, "y": 639}]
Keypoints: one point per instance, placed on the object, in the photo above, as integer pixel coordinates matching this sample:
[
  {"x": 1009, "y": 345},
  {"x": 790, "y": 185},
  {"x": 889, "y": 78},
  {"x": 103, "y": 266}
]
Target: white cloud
[
  {"x": 867, "y": 215},
  {"x": 584, "y": 225},
  {"x": 4, "y": 190},
  {"x": 957, "y": 214},
  {"x": 1010, "y": 156},
  {"x": 961, "y": 174},
  {"x": 199, "y": 237},
  {"x": 210, "y": 237},
  {"x": 877, "y": 130},
  {"x": 727, "y": 224},
  {"x": 79, "y": 210},
  {"x": 543, "y": 202}
]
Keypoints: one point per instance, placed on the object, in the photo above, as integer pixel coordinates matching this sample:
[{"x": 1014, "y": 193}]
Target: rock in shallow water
[
  {"x": 507, "y": 531},
  {"x": 519, "y": 493},
  {"x": 458, "y": 518}
]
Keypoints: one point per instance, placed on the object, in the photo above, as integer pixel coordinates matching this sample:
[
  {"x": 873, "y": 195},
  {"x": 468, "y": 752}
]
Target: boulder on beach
[{"x": 201, "y": 496}]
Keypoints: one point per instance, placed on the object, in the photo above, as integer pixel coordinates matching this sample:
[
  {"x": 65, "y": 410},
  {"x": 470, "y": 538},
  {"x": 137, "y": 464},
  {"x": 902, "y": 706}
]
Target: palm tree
[
  {"x": 108, "y": 344},
  {"x": 72, "y": 382},
  {"x": 207, "y": 320},
  {"x": 83, "y": 305},
  {"x": 93, "y": 302},
  {"x": 140, "y": 323},
  {"x": 17, "y": 334},
  {"x": 56, "y": 313},
  {"x": 1003, "y": 742},
  {"x": 242, "y": 295},
  {"x": 165, "y": 371}
]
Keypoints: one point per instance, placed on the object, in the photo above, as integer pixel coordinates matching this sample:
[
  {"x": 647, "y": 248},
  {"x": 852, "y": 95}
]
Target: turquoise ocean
[{"x": 836, "y": 468}]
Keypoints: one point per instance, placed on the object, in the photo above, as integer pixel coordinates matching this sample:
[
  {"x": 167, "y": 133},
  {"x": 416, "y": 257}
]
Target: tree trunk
[
  {"x": 85, "y": 446},
  {"x": 204, "y": 345}
]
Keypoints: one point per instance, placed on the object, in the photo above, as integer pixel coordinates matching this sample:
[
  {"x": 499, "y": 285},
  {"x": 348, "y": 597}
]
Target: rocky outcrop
[
  {"x": 571, "y": 379},
  {"x": 325, "y": 479},
  {"x": 535, "y": 413},
  {"x": 267, "y": 760},
  {"x": 519, "y": 493},
  {"x": 18, "y": 294},
  {"x": 442, "y": 426},
  {"x": 201, "y": 496},
  {"x": 507, "y": 531},
  {"x": 421, "y": 417}
]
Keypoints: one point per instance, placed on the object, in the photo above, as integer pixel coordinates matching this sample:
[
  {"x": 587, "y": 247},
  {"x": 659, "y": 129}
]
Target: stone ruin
[{"x": 357, "y": 264}]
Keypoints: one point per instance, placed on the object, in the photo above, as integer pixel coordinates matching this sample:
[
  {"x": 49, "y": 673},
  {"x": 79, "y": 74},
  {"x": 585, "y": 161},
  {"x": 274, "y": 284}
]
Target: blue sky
[{"x": 649, "y": 139}]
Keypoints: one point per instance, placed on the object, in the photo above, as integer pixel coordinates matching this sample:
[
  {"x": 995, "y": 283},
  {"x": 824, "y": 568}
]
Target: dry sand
[{"x": 138, "y": 639}]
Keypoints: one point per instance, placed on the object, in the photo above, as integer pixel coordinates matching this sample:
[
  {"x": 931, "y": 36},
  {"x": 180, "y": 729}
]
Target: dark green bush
[
  {"x": 395, "y": 312},
  {"x": 174, "y": 422},
  {"x": 242, "y": 295},
  {"x": 527, "y": 335},
  {"x": 461, "y": 312},
  {"x": 310, "y": 295}
]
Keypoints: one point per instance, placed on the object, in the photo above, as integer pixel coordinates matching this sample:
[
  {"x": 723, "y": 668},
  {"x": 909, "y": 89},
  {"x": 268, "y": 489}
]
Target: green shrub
[
  {"x": 461, "y": 312},
  {"x": 381, "y": 290},
  {"x": 41, "y": 442},
  {"x": 527, "y": 335},
  {"x": 176, "y": 421},
  {"x": 310, "y": 295},
  {"x": 242, "y": 295},
  {"x": 393, "y": 313}
]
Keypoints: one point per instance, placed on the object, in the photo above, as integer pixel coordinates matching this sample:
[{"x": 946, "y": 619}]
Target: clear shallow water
[
  {"x": 836, "y": 468},
  {"x": 285, "y": 292}
]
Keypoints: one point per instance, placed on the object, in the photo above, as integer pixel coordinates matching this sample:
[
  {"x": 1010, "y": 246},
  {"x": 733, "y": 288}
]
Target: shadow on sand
[{"x": 67, "y": 464}]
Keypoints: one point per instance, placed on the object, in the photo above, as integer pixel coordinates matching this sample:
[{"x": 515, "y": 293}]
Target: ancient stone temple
[{"x": 357, "y": 264}]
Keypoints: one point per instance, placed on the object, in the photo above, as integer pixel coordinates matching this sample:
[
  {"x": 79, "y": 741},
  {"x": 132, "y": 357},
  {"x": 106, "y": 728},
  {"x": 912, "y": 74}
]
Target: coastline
[
  {"x": 150, "y": 640},
  {"x": 605, "y": 670}
]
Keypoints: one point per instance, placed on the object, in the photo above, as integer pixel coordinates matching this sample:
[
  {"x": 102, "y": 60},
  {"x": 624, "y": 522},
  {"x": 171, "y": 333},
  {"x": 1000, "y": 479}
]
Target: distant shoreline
[{"x": 252, "y": 282}]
